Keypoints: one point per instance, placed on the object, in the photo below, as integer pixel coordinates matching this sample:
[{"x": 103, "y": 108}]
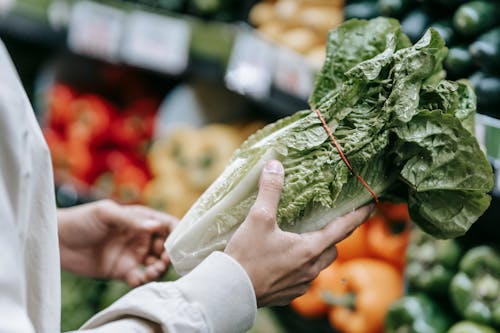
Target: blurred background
[{"x": 144, "y": 101}]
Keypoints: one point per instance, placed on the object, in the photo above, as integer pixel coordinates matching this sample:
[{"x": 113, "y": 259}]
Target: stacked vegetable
[
  {"x": 451, "y": 288},
  {"x": 97, "y": 147},
  {"x": 301, "y": 25},
  {"x": 471, "y": 29},
  {"x": 186, "y": 161},
  {"x": 355, "y": 291}
]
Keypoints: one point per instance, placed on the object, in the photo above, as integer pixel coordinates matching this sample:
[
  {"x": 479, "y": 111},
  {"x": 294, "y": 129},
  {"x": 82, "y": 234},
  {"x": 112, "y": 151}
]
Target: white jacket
[{"x": 217, "y": 296}]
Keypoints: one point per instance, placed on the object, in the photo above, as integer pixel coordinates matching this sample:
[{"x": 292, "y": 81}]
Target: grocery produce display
[
  {"x": 471, "y": 30},
  {"x": 98, "y": 144},
  {"x": 457, "y": 290},
  {"x": 437, "y": 88}
]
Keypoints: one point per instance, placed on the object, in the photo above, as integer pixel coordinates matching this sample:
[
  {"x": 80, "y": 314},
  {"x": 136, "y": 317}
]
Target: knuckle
[
  {"x": 311, "y": 274},
  {"x": 335, "y": 253},
  {"x": 262, "y": 214},
  {"x": 105, "y": 205},
  {"x": 310, "y": 251},
  {"x": 302, "y": 289}
]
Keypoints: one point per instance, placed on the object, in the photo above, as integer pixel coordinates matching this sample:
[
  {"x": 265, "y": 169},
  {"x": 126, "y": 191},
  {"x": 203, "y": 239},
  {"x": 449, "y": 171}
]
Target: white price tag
[
  {"x": 293, "y": 74},
  {"x": 250, "y": 66},
  {"x": 96, "y": 30},
  {"x": 480, "y": 130},
  {"x": 497, "y": 185},
  {"x": 157, "y": 42},
  {"x": 496, "y": 166}
]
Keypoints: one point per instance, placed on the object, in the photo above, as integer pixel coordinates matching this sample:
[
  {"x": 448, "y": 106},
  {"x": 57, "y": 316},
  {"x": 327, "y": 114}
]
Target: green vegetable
[
  {"x": 431, "y": 263},
  {"x": 415, "y": 24},
  {"x": 474, "y": 17},
  {"x": 363, "y": 10},
  {"x": 452, "y": 3},
  {"x": 486, "y": 51},
  {"x": 487, "y": 89},
  {"x": 416, "y": 313},
  {"x": 407, "y": 132},
  {"x": 475, "y": 289},
  {"x": 393, "y": 8},
  {"x": 459, "y": 61},
  {"x": 445, "y": 29},
  {"x": 470, "y": 327}
]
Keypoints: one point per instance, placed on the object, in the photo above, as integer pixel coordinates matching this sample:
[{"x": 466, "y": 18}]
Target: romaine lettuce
[{"x": 405, "y": 130}]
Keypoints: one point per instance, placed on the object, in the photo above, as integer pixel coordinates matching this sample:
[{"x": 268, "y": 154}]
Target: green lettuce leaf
[{"x": 405, "y": 130}]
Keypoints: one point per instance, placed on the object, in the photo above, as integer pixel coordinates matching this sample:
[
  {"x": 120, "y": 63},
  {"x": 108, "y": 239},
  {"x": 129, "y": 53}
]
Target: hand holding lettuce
[{"x": 405, "y": 130}]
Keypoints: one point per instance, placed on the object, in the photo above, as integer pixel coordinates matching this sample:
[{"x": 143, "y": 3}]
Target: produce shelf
[
  {"x": 280, "y": 79},
  {"x": 30, "y": 29},
  {"x": 195, "y": 47}
]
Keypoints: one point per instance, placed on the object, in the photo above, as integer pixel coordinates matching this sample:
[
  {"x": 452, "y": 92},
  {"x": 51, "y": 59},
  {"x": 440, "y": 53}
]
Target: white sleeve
[
  {"x": 13, "y": 315},
  {"x": 216, "y": 297}
]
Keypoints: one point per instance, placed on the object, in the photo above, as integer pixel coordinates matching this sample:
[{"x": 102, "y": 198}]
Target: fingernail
[
  {"x": 274, "y": 167},
  {"x": 150, "y": 223},
  {"x": 371, "y": 207}
]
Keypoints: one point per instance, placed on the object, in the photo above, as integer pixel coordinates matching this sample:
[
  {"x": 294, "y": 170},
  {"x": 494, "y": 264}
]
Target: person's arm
[
  {"x": 217, "y": 296},
  {"x": 13, "y": 142},
  {"x": 261, "y": 265},
  {"x": 13, "y": 315}
]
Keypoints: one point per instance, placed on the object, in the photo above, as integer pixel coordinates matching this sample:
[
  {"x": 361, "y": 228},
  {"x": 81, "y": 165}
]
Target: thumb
[{"x": 268, "y": 197}]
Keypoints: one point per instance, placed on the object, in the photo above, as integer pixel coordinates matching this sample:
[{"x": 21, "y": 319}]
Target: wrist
[{"x": 70, "y": 239}]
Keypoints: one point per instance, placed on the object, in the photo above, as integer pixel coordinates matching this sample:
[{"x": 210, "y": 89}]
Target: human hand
[
  {"x": 106, "y": 240},
  {"x": 281, "y": 264}
]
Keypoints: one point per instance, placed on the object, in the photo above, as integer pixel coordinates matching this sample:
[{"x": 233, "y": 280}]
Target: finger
[
  {"x": 150, "y": 260},
  {"x": 268, "y": 197},
  {"x": 166, "y": 220},
  {"x": 127, "y": 217},
  {"x": 154, "y": 271},
  {"x": 283, "y": 296},
  {"x": 158, "y": 247},
  {"x": 326, "y": 258},
  {"x": 134, "y": 278},
  {"x": 138, "y": 218},
  {"x": 340, "y": 228},
  {"x": 165, "y": 258},
  {"x": 152, "y": 225}
]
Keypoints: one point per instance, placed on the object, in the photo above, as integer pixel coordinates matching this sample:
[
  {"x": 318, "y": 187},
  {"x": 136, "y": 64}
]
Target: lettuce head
[{"x": 406, "y": 130}]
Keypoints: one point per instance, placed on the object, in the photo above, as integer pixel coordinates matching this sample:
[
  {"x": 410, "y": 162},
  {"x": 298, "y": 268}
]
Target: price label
[
  {"x": 488, "y": 135},
  {"x": 96, "y": 30},
  {"x": 250, "y": 66},
  {"x": 157, "y": 42},
  {"x": 293, "y": 74},
  {"x": 480, "y": 130}
]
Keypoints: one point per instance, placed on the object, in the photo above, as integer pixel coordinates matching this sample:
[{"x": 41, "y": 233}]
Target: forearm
[
  {"x": 76, "y": 228},
  {"x": 68, "y": 257}
]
